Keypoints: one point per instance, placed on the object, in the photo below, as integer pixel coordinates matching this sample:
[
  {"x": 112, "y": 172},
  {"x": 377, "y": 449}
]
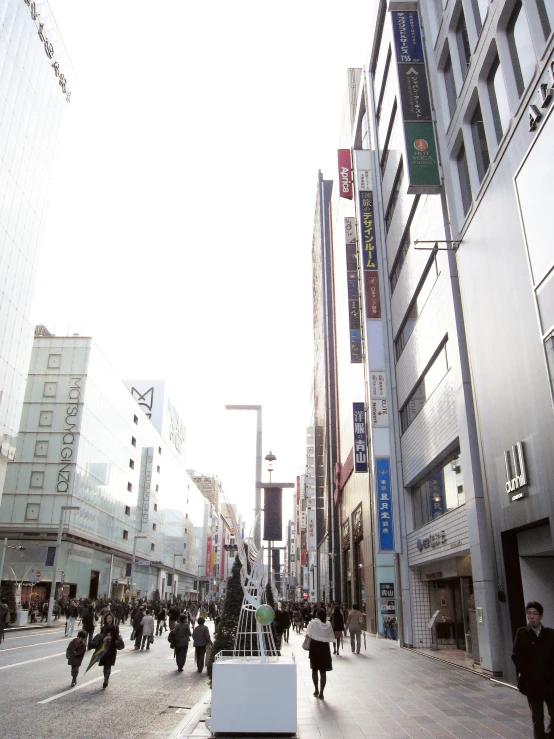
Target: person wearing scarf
[
  {"x": 109, "y": 634},
  {"x": 321, "y": 634}
]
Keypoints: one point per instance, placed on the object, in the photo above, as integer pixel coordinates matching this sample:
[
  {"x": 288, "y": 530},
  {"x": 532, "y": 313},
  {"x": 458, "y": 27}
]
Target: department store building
[{"x": 115, "y": 450}]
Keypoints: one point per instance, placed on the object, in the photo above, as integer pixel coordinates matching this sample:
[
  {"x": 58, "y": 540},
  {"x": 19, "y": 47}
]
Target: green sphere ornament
[{"x": 265, "y": 615}]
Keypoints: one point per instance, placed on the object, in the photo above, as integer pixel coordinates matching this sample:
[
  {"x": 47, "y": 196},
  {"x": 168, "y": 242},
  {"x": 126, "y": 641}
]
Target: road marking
[
  {"x": 26, "y": 646},
  {"x": 29, "y": 635},
  {"x": 77, "y": 687},
  {"x": 28, "y": 661}
]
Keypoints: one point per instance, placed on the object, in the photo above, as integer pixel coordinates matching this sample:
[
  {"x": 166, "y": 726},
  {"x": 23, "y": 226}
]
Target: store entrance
[{"x": 455, "y": 602}]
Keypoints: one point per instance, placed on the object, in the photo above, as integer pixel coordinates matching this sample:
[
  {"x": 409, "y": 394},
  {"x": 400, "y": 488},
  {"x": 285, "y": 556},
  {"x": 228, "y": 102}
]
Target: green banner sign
[{"x": 423, "y": 164}]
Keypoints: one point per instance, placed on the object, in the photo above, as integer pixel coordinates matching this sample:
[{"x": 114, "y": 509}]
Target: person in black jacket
[
  {"x": 88, "y": 621},
  {"x": 137, "y": 628},
  {"x": 337, "y": 621},
  {"x": 181, "y": 638},
  {"x": 533, "y": 656},
  {"x": 109, "y": 634}
]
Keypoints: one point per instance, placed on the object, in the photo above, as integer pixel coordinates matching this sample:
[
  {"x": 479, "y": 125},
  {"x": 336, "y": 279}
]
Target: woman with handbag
[
  {"x": 109, "y": 634},
  {"x": 320, "y": 634}
]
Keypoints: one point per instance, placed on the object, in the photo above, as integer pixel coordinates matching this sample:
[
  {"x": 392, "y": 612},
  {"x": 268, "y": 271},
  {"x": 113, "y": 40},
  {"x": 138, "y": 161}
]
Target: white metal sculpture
[{"x": 254, "y": 638}]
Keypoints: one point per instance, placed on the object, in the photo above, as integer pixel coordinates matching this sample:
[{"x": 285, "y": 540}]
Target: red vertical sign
[{"x": 345, "y": 174}]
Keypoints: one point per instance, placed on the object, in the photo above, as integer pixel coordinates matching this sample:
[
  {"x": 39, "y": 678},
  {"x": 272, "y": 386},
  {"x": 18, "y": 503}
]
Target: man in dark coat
[
  {"x": 88, "y": 620},
  {"x": 533, "y": 656},
  {"x": 137, "y": 620}
]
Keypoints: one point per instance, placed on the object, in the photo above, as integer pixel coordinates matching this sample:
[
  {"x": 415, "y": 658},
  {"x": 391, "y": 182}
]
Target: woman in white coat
[
  {"x": 321, "y": 634},
  {"x": 147, "y": 624}
]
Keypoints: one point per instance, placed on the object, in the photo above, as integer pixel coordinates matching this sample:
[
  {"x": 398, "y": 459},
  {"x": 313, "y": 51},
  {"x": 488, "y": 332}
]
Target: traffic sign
[{"x": 37, "y": 575}]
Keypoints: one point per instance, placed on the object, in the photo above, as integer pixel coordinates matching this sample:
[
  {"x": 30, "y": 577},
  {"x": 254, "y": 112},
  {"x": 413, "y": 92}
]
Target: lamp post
[
  {"x": 137, "y": 536},
  {"x": 64, "y": 508},
  {"x": 7, "y": 546},
  {"x": 258, "y": 494}
]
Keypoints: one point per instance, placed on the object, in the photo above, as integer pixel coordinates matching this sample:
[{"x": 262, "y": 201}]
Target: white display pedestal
[
  {"x": 251, "y": 696},
  {"x": 21, "y": 618}
]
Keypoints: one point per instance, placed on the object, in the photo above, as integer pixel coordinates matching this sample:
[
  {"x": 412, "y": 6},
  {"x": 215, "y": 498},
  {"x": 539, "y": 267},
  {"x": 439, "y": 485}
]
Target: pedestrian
[
  {"x": 297, "y": 620},
  {"x": 354, "y": 626},
  {"x": 137, "y": 628},
  {"x": 88, "y": 621},
  {"x": 321, "y": 635},
  {"x": 75, "y": 652},
  {"x": 118, "y": 613},
  {"x": 533, "y": 656},
  {"x": 337, "y": 621},
  {"x": 193, "y": 611},
  {"x": 160, "y": 621},
  {"x": 147, "y": 625},
  {"x": 109, "y": 635},
  {"x": 181, "y": 638},
  {"x": 278, "y": 627},
  {"x": 201, "y": 638},
  {"x": 286, "y": 624},
  {"x": 72, "y": 612},
  {"x": 4, "y": 616},
  {"x": 174, "y": 614}
]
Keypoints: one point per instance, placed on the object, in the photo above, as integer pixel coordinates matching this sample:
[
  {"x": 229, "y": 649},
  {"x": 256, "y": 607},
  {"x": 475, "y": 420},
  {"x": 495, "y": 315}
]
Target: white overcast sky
[{"x": 179, "y": 229}]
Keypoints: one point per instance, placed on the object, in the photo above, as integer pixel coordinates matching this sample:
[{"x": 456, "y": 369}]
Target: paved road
[{"x": 146, "y": 694}]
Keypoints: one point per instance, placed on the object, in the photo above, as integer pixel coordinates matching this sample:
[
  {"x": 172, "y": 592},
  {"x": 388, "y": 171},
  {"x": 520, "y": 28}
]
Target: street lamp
[
  {"x": 258, "y": 493},
  {"x": 64, "y": 508},
  {"x": 137, "y": 536},
  {"x": 7, "y": 546}
]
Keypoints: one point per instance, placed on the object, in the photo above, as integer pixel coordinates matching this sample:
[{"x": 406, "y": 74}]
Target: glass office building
[
  {"x": 85, "y": 441},
  {"x": 35, "y": 82}
]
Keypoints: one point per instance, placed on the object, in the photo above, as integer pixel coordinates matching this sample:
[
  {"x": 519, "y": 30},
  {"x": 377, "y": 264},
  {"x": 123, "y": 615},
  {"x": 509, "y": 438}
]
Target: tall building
[
  {"x": 35, "y": 79},
  {"x": 437, "y": 231},
  {"x": 84, "y": 441}
]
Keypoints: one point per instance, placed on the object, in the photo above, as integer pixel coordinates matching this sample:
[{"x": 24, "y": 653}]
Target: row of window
[
  {"x": 441, "y": 491},
  {"x": 428, "y": 383},
  {"x": 428, "y": 279}
]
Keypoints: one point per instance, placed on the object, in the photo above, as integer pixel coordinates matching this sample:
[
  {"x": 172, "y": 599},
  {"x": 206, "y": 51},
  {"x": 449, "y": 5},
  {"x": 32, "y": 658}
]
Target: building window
[
  {"x": 385, "y": 153},
  {"x": 50, "y": 389},
  {"x": 464, "y": 49},
  {"x": 133, "y": 441},
  {"x": 158, "y": 469},
  {"x": 438, "y": 10},
  {"x": 404, "y": 247},
  {"x": 157, "y": 488},
  {"x": 422, "y": 293},
  {"x": 135, "y": 419},
  {"x": 125, "y": 534},
  {"x": 393, "y": 199},
  {"x": 41, "y": 449},
  {"x": 153, "y": 527},
  {"x": 130, "y": 487},
  {"x": 463, "y": 175},
  {"x": 480, "y": 142},
  {"x": 45, "y": 418},
  {"x": 441, "y": 491},
  {"x": 450, "y": 85},
  {"x": 499, "y": 99},
  {"x": 549, "y": 347},
  {"x": 424, "y": 389},
  {"x": 155, "y": 506},
  {"x": 383, "y": 83},
  {"x": 152, "y": 547},
  {"x": 159, "y": 450},
  {"x": 186, "y": 515},
  {"x": 32, "y": 511},
  {"x": 127, "y": 510},
  {"x": 185, "y": 545},
  {"x": 186, "y": 531},
  {"x": 521, "y": 48},
  {"x": 54, "y": 361},
  {"x": 37, "y": 479},
  {"x": 132, "y": 464},
  {"x": 546, "y": 13}
]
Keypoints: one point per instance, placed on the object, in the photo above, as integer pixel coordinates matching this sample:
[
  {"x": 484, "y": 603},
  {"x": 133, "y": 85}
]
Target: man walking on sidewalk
[
  {"x": 354, "y": 626},
  {"x": 533, "y": 656}
]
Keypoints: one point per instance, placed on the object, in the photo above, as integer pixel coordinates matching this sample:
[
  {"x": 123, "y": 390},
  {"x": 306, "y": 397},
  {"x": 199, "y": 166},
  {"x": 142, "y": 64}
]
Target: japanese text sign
[
  {"x": 384, "y": 505},
  {"x": 360, "y": 438}
]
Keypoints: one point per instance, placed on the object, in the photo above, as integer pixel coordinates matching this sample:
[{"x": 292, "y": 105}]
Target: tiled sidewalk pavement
[
  {"x": 394, "y": 693},
  {"x": 391, "y": 693}
]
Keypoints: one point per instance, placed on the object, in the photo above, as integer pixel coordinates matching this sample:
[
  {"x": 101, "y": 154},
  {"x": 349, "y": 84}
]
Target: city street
[{"x": 146, "y": 693}]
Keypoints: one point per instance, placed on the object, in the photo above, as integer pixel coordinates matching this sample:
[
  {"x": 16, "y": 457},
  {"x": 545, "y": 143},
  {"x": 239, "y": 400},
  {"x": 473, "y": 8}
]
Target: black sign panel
[
  {"x": 414, "y": 92},
  {"x": 386, "y": 589},
  {"x": 273, "y": 514},
  {"x": 354, "y": 314},
  {"x": 351, "y": 258}
]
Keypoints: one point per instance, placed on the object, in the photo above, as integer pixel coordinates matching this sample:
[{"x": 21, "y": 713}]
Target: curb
[{"x": 186, "y": 727}]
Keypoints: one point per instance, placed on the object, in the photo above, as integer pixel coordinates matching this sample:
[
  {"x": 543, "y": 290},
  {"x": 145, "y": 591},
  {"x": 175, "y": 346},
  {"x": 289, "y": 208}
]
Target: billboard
[{"x": 345, "y": 174}]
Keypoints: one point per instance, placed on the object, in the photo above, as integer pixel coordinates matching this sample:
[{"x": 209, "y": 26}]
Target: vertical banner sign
[
  {"x": 384, "y": 505},
  {"x": 147, "y": 487},
  {"x": 369, "y": 256},
  {"x": 378, "y": 399},
  {"x": 421, "y": 147},
  {"x": 360, "y": 438},
  {"x": 312, "y": 543},
  {"x": 345, "y": 174},
  {"x": 208, "y": 555},
  {"x": 353, "y": 283}
]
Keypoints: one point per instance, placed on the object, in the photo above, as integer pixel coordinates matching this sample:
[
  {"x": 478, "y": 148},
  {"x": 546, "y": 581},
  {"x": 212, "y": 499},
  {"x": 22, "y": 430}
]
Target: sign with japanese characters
[
  {"x": 352, "y": 278},
  {"x": 312, "y": 542},
  {"x": 419, "y": 132},
  {"x": 369, "y": 255},
  {"x": 360, "y": 438},
  {"x": 384, "y": 505},
  {"x": 147, "y": 487}
]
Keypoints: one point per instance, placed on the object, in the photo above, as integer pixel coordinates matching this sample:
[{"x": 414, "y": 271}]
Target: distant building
[{"x": 84, "y": 441}]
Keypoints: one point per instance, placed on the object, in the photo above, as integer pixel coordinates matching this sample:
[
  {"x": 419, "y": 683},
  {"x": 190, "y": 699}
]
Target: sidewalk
[{"x": 392, "y": 693}]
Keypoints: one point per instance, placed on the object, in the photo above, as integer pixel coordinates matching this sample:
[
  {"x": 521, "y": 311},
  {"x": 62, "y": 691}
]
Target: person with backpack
[
  {"x": 180, "y": 641},
  {"x": 74, "y": 653},
  {"x": 201, "y": 638}
]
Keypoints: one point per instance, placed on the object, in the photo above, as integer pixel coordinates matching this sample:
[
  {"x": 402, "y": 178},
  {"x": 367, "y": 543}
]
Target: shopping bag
[{"x": 306, "y": 643}]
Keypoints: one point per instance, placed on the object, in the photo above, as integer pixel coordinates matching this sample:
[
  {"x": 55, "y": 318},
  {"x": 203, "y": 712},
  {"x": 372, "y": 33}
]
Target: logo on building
[
  {"x": 516, "y": 473},
  {"x": 432, "y": 541},
  {"x": 421, "y": 145},
  {"x": 145, "y": 400}
]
